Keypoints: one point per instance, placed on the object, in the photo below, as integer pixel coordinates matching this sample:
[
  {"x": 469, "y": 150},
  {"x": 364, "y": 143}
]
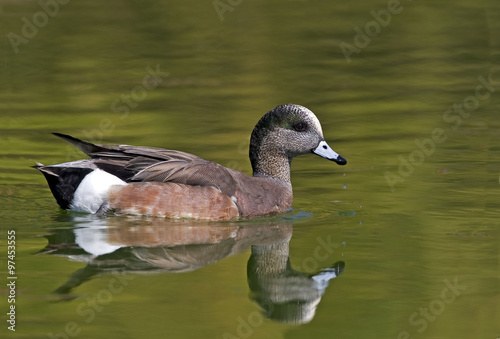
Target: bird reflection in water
[{"x": 154, "y": 245}]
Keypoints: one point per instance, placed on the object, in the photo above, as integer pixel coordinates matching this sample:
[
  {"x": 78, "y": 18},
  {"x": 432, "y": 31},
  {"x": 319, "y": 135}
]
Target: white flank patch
[{"x": 93, "y": 191}]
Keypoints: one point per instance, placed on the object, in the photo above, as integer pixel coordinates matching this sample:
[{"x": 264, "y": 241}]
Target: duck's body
[{"x": 167, "y": 183}]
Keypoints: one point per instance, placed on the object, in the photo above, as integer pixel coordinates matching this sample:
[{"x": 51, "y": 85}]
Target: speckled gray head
[{"x": 285, "y": 132}]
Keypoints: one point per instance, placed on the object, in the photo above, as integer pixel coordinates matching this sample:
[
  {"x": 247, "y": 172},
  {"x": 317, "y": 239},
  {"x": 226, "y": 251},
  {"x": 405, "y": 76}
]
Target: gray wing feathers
[
  {"x": 137, "y": 163},
  {"x": 198, "y": 173}
]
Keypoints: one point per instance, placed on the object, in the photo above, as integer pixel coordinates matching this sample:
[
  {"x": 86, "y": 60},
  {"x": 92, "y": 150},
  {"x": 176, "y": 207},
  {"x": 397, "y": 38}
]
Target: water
[{"x": 402, "y": 242}]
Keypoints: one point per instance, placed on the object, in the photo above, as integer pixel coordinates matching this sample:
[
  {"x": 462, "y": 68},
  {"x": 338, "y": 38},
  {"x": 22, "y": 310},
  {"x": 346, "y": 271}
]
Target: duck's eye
[{"x": 300, "y": 126}]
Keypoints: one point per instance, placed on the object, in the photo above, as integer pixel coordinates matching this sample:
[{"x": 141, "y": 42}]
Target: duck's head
[{"x": 283, "y": 133}]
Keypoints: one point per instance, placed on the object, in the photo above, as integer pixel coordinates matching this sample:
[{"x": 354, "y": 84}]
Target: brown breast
[{"x": 261, "y": 195}]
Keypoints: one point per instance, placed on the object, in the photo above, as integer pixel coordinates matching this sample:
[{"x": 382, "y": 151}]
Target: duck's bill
[{"x": 325, "y": 151}]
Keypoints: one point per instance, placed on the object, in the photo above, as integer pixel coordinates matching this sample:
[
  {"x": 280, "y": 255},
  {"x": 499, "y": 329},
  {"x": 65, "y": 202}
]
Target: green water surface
[{"x": 402, "y": 242}]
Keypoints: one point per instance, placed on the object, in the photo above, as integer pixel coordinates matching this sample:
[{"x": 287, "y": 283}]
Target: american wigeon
[{"x": 167, "y": 183}]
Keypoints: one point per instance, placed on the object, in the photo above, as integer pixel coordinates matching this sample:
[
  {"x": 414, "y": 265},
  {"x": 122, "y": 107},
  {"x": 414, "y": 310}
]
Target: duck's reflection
[
  {"x": 284, "y": 294},
  {"x": 153, "y": 245}
]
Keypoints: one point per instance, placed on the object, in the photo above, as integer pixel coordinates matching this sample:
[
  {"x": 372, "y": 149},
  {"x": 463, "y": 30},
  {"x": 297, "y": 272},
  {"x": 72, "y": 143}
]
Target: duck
[{"x": 159, "y": 182}]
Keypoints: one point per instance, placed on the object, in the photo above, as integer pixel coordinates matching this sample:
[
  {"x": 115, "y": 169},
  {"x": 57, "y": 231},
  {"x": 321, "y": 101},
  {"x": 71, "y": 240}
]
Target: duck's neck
[
  {"x": 270, "y": 163},
  {"x": 267, "y": 156}
]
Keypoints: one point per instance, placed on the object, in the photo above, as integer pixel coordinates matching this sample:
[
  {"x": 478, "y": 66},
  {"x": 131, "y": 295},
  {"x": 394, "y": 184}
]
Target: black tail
[
  {"x": 63, "y": 181},
  {"x": 84, "y": 146}
]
